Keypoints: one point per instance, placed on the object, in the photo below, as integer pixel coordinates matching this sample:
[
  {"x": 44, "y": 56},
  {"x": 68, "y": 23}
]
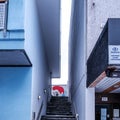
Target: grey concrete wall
[{"x": 98, "y": 11}]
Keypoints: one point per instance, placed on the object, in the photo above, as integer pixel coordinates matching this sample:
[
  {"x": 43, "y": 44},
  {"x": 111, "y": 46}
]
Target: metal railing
[{"x": 75, "y": 111}]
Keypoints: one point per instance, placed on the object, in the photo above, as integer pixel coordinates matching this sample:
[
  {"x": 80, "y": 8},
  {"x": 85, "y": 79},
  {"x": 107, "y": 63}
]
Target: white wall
[
  {"x": 77, "y": 68},
  {"x": 15, "y": 15},
  {"x": 90, "y": 104},
  {"x": 34, "y": 46},
  {"x": 79, "y": 100}
]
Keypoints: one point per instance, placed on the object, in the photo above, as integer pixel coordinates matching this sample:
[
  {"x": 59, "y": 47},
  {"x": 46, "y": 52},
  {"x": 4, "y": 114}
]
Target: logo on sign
[{"x": 114, "y": 49}]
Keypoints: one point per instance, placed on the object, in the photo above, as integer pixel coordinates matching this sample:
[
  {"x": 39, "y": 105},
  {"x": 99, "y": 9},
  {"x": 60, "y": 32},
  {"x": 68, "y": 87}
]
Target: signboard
[
  {"x": 104, "y": 98},
  {"x": 114, "y": 54},
  {"x": 59, "y": 90},
  {"x": 116, "y": 112}
]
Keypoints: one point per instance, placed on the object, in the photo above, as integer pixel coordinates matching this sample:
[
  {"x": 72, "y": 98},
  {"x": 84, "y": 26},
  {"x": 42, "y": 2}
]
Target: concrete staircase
[{"x": 59, "y": 109}]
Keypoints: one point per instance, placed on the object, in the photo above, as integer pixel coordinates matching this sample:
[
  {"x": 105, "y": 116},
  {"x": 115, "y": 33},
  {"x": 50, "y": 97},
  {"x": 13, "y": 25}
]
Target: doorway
[
  {"x": 102, "y": 112},
  {"x": 107, "y": 106},
  {"x": 107, "y": 111}
]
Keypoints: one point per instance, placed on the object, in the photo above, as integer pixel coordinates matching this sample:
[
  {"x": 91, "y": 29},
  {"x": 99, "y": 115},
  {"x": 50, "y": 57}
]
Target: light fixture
[{"x": 39, "y": 97}]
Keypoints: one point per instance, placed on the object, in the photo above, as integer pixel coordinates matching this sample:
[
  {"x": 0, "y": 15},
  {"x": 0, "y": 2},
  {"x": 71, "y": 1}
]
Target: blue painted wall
[
  {"x": 15, "y": 82},
  {"x": 14, "y": 38},
  {"x": 34, "y": 46},
  {"x": 15, "y": 93},
  {"x": 16, "y": 14},
  {"x": 20, "y": 87},
  {"x": 11, "y": 44}
]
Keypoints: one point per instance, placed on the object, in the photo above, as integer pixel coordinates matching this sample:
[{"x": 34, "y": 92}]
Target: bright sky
[{"x": 65, "y": 23}]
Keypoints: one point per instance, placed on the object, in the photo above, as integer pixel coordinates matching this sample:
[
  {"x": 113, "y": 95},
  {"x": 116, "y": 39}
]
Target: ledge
[
  {"x": 14, "y": 35},
  {"x": 14, "y": 58}
]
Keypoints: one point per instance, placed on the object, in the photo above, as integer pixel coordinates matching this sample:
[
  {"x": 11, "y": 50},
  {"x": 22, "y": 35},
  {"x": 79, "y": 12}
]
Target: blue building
[{"x": 29, "y": 56}]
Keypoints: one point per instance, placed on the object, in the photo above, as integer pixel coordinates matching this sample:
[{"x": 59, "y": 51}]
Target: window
[{"x": 3, "y": 14}]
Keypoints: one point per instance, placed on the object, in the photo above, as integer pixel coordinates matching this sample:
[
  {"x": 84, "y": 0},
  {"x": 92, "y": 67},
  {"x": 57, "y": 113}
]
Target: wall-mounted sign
[
  {"x": 59, "y": 90},
  {"x": 116, "y": 112},
  {"x": 104, "y": 98},
  {"x": 114, "y": 54}
]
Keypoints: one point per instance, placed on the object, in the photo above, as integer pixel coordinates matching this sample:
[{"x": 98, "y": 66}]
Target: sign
[
  {"x": 104, "y": 98},
  {"x": 114, "y": 54},
  {"x": 59, "y": 90},
  {"x": 116, "y": 112}
]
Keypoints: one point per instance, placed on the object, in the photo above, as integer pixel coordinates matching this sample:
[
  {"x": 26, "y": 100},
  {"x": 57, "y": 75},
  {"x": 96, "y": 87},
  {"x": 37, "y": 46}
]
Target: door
[{"x": 102, "y": 112}]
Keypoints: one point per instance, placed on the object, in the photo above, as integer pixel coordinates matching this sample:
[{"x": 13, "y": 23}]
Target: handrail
[
  {"x": 41, "y": 107},
  {"x": 74, "y": 110},
  {"x": 40, "y": 110},
  {"x": 76, "y": 88}
]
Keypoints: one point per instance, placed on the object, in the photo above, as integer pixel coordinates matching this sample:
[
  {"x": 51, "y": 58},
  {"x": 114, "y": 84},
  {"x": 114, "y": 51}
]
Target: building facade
[
  {"x": 87, "y": 23},
  {"x": 26, "y": 57},
  {"x": 30, "y": 57}
]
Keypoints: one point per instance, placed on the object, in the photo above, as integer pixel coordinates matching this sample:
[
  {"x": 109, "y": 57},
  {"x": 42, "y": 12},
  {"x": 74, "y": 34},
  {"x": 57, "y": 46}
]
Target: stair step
[
  {"x": 59, "y": 108},
  {"x": 58, "y": 117},
  {"x": 55, "y": 113}
]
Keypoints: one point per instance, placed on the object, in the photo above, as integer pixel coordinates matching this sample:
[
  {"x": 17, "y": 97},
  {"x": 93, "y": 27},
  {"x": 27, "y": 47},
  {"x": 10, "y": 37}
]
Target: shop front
[{"x": 107, "y": 106}]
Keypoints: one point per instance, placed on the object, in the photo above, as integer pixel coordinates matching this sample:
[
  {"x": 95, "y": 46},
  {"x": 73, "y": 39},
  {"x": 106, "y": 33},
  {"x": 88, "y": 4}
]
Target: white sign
[
  {"x": 114, "y": 54},
  {"x": 116, "y": 112},
  {"x": 104, "y": 98}
]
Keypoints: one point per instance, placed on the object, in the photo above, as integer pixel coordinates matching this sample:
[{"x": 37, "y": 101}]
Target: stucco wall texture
[{"x": 98, "y": 12}]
